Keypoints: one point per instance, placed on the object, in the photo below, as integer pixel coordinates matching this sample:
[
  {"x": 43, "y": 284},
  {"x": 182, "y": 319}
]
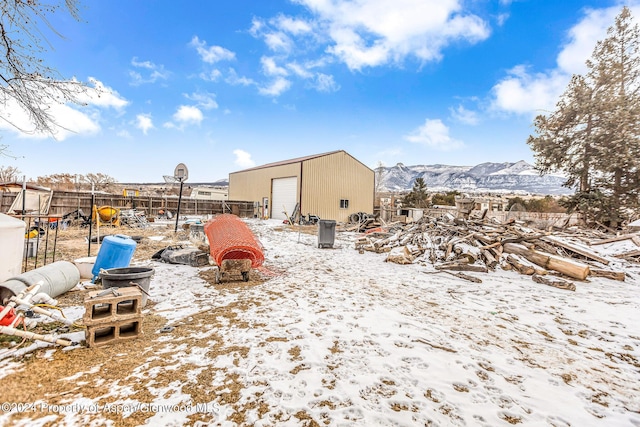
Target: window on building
[{"x": 344, "y": 203}]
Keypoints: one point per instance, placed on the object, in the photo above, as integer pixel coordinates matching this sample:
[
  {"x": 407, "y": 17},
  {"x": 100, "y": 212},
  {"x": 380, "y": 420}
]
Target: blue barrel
[{"x": 116, "y": 252}]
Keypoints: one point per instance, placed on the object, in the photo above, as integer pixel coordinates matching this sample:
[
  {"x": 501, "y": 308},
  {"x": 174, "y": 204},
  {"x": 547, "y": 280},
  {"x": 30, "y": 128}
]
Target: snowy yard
[{"x": 338, "y": 338}]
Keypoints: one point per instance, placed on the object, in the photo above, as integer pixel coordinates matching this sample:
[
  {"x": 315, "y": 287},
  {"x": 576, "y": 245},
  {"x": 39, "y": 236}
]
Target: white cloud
[
  {"x": 211, "y": 54},
  {"x": 465, "y": 116},
  {"x": 185, "y": 115},
  {"x": 102, "y": 96},
  {"x": 243, "y": 159},
  {"x": 144, "y": 122},
  {"x": 68, "y": 119},
  {"x": 211, "y": 76},
  {"x": 582, "y": 39},
  {"x": 276, "y": 88},
  {"x": 278, "y": 41},
  {"x": 188, "y": 114},
  {"x": 154, "y": 72},
  {"x": 123, "y": 133},
  {"x": 434, "y": 134},
  {"x": 299, "y": 70},
  {"x": 270, "y": 68},
  {"x": 326, "y": 83},
  {"x": 292, "y": 25},
  {"x": 234, "y": 79},
  {"x": 257, "y": 25},
  {"x": 525, "y": 92},
  {"x": 502, "y": 18},
  {"x": 204, "y": 100},
  {"x": 368, "y": 33}
]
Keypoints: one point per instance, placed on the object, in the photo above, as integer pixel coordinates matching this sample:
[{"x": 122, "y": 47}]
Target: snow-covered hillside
[{"x": 494, "y": 177}]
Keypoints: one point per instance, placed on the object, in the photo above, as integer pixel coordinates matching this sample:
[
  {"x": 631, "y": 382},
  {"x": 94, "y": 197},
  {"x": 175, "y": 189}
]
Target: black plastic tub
[{"x": 128, "y": 276}]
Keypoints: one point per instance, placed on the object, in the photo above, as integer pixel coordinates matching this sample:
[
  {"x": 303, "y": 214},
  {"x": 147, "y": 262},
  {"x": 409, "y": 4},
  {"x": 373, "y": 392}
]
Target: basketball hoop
[{"x": 169, "y": 179}]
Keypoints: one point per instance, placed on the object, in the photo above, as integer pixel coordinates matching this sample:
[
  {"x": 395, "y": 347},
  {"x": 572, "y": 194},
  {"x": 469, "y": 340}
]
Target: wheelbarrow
[{"x": 234, "y": 267}]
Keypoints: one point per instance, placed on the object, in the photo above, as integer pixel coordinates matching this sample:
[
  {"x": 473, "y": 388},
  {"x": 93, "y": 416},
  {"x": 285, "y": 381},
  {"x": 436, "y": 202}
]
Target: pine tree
[
  {"x": 418, "y": 197},
  {"x": 594, "y": 134},
  {"x": 615, "y": 72},
  {"x": 565, "y": 139}
]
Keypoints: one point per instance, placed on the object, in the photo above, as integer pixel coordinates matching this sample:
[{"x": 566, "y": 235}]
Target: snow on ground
[{"x": 341, "y": 338}]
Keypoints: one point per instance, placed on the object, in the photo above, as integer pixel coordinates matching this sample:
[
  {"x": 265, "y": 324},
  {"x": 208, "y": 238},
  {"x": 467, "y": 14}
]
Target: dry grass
[
  {"x": 93, "y": 372},
  {"x": 73, "y": 243}
]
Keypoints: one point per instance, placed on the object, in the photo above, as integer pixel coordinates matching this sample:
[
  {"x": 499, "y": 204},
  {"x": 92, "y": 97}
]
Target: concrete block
[
  {"x": 111, "y": 308},
  {"x": 111, "y": 333}
]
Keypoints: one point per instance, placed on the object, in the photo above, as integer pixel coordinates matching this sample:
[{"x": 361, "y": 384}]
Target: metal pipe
[
  {"x": 57, "y": 278},
  {"x": 93, "y": 201},
  {"x": 24, "y": 195},
  {"x": 179, "y": 200},
  {"x": 30, "y": 335}
]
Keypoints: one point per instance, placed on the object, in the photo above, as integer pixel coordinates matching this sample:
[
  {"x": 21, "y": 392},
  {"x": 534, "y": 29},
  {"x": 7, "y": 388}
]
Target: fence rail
[{"x": 64, "y": 202}]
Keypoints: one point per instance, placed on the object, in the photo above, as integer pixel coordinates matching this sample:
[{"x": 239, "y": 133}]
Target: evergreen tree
[
  {"x": 418, "y": 197},
  {"x": 594, "y": 134},
  {"x": 615, "y": 72}
]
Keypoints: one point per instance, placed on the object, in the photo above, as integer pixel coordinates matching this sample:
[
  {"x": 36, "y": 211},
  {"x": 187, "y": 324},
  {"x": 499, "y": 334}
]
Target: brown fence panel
[{"x": 68, "y": 201}]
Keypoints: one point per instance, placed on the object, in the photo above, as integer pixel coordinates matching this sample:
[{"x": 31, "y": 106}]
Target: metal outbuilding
[{"x": 330, "y": 185}]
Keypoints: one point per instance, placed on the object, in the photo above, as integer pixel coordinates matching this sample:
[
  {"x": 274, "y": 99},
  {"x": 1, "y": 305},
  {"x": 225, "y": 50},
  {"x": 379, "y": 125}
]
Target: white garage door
[{"x": 283, "y": 193}]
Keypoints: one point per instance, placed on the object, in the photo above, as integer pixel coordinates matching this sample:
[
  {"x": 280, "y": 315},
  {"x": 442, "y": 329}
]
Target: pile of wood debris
[{"x": 450, "y": 244}]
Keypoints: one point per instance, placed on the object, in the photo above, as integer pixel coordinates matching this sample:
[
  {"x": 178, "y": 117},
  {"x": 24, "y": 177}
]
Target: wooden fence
[
  {"x": 64, "y": 202},
  {"x": 542, "y": 220}
]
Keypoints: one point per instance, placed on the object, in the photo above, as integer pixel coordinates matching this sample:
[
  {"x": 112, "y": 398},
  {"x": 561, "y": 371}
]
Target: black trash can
[{"x": 326, "y": 233}]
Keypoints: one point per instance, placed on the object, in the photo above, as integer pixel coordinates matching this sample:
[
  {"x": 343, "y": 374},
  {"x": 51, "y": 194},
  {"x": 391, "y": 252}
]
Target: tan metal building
[{"x": 330, "y": 185}]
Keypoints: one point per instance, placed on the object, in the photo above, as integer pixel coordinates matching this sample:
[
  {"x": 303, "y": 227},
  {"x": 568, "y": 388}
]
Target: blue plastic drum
[{"x": 116, "y": 252}]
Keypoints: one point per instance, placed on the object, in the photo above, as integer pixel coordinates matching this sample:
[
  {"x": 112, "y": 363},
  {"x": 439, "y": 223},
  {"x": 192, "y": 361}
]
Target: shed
[
  {"x": 209, "y": 193},
  {"x": 330, "y": 185}
]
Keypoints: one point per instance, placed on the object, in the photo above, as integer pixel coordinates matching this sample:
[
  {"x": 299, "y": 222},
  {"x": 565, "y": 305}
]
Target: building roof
[
  {"x": 15, "y": 186},
  {"x": 296, "y": 160}
]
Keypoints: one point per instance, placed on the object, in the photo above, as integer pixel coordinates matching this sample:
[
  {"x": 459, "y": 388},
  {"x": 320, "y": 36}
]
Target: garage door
[{"x": 283, "y": 197}]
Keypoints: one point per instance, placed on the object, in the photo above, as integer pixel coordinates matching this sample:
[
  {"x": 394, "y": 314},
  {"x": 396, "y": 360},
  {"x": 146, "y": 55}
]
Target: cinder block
[
  {"x": 110, "y": 333},
  {"x": 111, "y": 308}
]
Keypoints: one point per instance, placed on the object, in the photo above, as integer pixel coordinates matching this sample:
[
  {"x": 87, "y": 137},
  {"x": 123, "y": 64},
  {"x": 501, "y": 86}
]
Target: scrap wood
[
  {"x": 521, "y": 267},
  {"x": 479, "y": 245},
  {"x": 614, "y": 239},
  {"x": 462, "y": 266},
  {"x": 568, "y": 267},
  {"x": 524, "y": 266},
  {"x": 459, "y": 275},
  {"x": 400, "y": 256},
  {"x": 609, "y": 274},
  {"x": 489, "y": 259},
  {"x": 555, "y": 282},
  {"x": 573, "y": 248},
  {"x": 439, "y": 347},
  {"x": 628, "y": 254}
]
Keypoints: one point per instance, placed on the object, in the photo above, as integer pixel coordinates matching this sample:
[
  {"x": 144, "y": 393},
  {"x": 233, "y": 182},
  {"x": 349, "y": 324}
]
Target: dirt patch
[
  {"x": 73, "y": 243},
  {"x": 149, "y": 366}
]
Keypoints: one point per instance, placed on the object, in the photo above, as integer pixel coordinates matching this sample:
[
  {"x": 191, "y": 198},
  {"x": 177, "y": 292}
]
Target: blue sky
[{"x": 226, "y": 85}]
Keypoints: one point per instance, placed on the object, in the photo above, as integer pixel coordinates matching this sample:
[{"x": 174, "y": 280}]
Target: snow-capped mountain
[{"x": 519, "y": 177}]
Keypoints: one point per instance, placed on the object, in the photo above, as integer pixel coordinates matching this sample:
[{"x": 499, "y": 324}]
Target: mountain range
[{"x": 519, "y": 177}]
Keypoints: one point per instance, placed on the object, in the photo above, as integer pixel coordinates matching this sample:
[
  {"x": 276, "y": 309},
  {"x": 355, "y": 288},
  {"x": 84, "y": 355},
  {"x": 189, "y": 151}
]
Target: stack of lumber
[{"x": 454, "y": 244}]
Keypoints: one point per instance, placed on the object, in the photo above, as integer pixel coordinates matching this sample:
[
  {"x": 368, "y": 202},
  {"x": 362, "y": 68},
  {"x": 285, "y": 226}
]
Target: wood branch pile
[{"x": 479, "y": 245}]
